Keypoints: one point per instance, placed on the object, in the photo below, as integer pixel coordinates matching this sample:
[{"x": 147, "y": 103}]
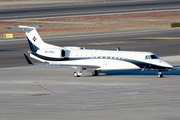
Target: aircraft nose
[{"x": 169, "y": 66}]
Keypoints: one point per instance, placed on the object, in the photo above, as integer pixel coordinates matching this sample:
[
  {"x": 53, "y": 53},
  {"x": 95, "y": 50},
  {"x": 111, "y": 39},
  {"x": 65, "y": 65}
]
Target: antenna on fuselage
[{"x": 118, "y": 49}]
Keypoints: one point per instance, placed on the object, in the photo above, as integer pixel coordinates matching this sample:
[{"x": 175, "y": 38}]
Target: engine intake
[{"x": 63, "y": 53}]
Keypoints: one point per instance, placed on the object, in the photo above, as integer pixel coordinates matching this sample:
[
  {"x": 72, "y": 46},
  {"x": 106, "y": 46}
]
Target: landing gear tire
[
  {"x": 95, "y": 73},
  {"x": 160, "y": 75},
  {"x": 76, "y": 74}
]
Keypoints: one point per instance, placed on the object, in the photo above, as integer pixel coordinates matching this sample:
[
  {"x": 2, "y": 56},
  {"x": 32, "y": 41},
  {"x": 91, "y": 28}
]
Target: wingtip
[{"x": 27, "y": 59}]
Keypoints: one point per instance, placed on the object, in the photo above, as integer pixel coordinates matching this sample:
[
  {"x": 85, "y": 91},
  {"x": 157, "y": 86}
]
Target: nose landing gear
[{"x": 160, "y": 74}]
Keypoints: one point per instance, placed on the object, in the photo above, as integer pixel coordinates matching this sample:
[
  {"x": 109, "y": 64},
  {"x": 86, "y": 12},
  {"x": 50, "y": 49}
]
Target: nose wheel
[{"x": 160, "y": 75}]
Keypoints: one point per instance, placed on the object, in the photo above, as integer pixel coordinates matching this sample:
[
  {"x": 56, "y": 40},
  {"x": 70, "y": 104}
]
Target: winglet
[
  {"x": 28, "y": 60},
  {"x": 118, "y": 49}
]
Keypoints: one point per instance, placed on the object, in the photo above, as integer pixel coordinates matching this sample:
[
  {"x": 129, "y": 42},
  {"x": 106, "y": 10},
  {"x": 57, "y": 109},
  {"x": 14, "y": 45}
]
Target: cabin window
[{"x": 147, "y": 57}]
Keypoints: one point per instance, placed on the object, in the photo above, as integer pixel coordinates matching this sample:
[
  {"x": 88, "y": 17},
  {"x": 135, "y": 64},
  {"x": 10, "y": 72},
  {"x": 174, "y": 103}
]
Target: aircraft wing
[
  {"x": 85, "y": 66},
  {"x": 76, "y": 65}
]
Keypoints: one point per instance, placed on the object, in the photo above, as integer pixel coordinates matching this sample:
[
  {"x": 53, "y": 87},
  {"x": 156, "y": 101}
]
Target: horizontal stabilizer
[{"x": 24, "y": 27}]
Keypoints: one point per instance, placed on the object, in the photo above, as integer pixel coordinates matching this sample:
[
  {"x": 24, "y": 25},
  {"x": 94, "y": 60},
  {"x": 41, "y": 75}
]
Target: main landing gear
[
  {"x": 79, "y": 70},
  {"x": 95, "y": 73},
  {"x": 77, "y": 74}
]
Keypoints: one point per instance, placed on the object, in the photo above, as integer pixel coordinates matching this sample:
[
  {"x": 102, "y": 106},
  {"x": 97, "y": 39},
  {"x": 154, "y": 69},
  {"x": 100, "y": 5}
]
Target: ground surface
[
  {"x": 51, "y": 93},
  {"x": 162, "y": 42},
  {"x": 97, "y": 23},
  {"x": 30, "y": 3}
]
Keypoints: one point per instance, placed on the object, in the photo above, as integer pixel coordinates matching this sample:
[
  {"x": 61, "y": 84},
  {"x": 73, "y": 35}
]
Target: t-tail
[{"x": 34, "y": 40}]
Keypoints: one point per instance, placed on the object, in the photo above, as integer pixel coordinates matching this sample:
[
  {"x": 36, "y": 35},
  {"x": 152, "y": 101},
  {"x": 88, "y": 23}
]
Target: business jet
[{"x": 88, "y": 59}]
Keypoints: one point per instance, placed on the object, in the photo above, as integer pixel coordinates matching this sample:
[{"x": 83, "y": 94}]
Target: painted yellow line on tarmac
[
  {"x": 106, "y": 43},
  {"x": 167, "y": 38},
  {"x": 3, "y": 95}
]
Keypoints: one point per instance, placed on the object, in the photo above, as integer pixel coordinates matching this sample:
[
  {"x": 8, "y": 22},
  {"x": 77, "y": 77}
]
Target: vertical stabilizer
[
  {"x": 34, "y": 40},
  {"x": 33, "y": 37}
]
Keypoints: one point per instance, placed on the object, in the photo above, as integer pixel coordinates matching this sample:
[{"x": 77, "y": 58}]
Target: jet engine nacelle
[{"x": 53, "y": 53}]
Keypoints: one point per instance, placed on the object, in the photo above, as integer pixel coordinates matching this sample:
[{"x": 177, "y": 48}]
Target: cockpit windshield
[
  {"x": 151, "y": 57},
  {"x": 154, "y": 57}
]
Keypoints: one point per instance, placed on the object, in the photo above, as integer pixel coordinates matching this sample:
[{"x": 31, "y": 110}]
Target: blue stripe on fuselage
[{"x": 140, "y": 64}]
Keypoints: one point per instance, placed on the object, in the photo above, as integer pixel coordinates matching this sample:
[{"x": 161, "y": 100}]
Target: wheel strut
[
  {"x": 95, "y": 73},
  {"x": 160, "y": 75}
]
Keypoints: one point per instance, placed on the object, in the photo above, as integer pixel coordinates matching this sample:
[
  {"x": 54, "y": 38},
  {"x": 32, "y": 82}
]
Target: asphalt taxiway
[
  {"x": 89, "y": 9},
  {"x": 162, "y": 42},
  {"x": 51, "y": 93}
]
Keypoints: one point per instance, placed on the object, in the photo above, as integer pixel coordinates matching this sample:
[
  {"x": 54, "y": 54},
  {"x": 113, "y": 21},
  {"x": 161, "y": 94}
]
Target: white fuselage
[{"x": 106, "y": 60}]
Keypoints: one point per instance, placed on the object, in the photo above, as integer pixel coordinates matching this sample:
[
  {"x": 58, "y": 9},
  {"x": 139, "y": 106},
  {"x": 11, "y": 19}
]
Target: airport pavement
[
  {"x": 89, "y": 9},
  {"x": 162, "y": 42},
  {"x": 51, "y": 93}
]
